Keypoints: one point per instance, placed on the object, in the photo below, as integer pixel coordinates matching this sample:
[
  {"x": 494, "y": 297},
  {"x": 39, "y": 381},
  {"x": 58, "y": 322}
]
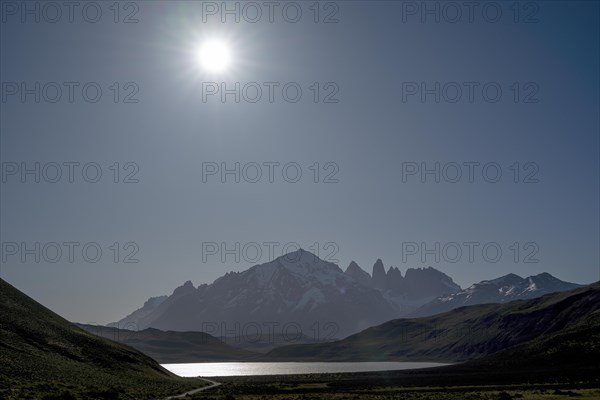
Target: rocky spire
[{"x": 378, "y": 279}]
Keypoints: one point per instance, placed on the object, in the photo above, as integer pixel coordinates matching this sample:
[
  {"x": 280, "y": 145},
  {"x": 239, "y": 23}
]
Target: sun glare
[{"x": 214, "y": 56}]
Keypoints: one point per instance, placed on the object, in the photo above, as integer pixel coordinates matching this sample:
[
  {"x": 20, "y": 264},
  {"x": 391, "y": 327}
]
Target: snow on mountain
[{"x": 500, "y": 290}]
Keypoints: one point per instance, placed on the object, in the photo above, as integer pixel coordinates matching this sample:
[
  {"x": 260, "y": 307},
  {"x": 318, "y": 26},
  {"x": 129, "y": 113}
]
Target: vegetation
[
  {"x": 173, "y": 347},
  {"x": 43, "y": 356},
  {"x": 472, "y": 332},
  {"x": 390, "y": 385}
]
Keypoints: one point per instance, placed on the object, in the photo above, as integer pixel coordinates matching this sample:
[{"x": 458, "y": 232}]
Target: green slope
[
  {"x": 44, "y": 354},
  {"x": 576, "y": 345},
  {"x": 173, "y": 347},
  {"x": 467, "y": 333}
]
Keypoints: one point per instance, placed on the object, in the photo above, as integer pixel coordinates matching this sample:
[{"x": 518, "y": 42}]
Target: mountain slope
[
  {"x": 173, "y": 347},
  {"x": 151, "y": 310},
  {"x": 150, "y": 306},
  {"x": 461, "y": 334},
  {"x": 577, "y": 344},
  {"x": 501, "y": 290},
  {"x": 42, "y": 353}
]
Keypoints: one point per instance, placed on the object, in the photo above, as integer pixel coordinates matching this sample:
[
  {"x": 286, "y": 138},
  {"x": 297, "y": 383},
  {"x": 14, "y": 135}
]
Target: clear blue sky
[{"x": 372, "y": 60}]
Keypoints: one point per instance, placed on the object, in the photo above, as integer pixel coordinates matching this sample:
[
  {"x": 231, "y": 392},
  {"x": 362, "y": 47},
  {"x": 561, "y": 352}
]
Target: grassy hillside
[
  {"x": 173, "y": 347},
  {"x": 470, "y": 332},
  {"x": 577, "y": 345},
  {"x": 43, "y": 356}
]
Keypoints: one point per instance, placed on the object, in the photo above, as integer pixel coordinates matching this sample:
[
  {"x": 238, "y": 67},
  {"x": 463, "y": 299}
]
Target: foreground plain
[{"x": 417, "y": 385}]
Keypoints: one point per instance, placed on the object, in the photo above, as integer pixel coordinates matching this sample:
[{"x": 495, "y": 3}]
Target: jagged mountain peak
[
  {"x": 505, "y": 279},
  {"x": 546, "y": 277},
  {"x": 356, "y": 272},
  {"x": 187, "y": 287},
  {"x": 300, "y": 262},
  {"x": 353, "y": 266},
  {"x": 378, "y": 276},
  {"x": 299, "y": 257},
  {"x": 394, "y": 273}
]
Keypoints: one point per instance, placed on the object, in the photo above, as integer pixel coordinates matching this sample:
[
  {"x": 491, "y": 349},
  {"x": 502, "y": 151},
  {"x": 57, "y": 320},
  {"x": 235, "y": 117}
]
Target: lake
[{"x": 285, "y": 368}]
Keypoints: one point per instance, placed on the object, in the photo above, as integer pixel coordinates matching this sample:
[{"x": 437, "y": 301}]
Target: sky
[{"x": 422, "y": 133}]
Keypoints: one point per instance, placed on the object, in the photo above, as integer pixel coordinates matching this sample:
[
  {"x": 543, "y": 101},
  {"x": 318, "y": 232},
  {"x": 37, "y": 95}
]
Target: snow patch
[{"x": 313, "y": 296}]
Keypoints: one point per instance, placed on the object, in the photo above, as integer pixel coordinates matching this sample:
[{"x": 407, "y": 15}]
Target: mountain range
[
  {"x": 296, "y": 295},
  {"x": 303, "y": 298},
  {"x": 501, "y": 290}
]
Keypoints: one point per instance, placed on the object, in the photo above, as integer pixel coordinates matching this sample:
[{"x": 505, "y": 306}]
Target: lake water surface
[{"x": 284, "y": 368}]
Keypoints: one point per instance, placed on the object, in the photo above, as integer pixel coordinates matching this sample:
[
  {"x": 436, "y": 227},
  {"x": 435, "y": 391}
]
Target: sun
[{"x": 214, "y": 56}]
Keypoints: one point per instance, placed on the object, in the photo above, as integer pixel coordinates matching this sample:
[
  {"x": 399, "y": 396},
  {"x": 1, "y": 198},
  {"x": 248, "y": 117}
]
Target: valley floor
[
  {"x": 389, "y": 393},
  {"x": 399, "y": 385}
]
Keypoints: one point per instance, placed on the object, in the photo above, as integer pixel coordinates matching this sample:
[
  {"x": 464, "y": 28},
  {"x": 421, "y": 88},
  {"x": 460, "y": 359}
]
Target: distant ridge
[
  {"x": 500, "y": 290},
  {"x": 173, "y": 347}
]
